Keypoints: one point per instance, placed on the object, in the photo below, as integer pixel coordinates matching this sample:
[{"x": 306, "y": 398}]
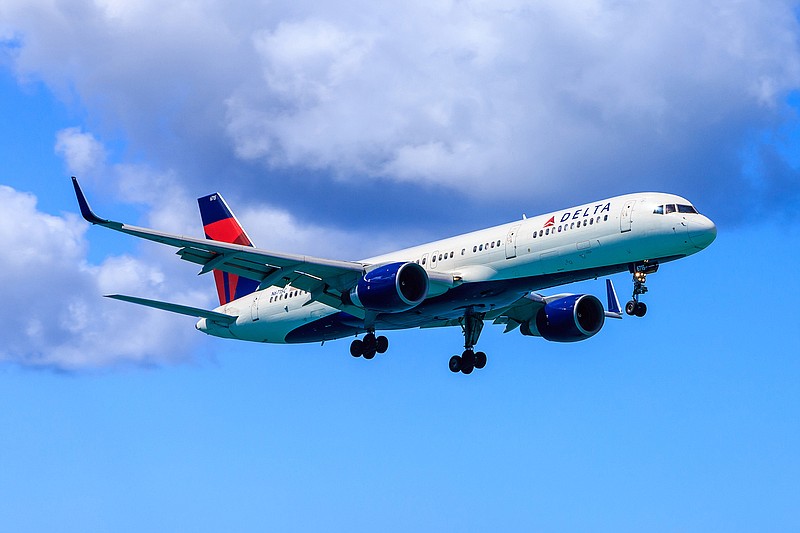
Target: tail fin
[{"x": 220, "y": 224}]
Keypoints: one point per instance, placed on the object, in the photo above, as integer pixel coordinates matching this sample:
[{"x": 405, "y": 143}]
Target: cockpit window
[
  {"x": 686, "y": 209},
  {"x": 670, "y": 208},
  {"x": 658, "y": 210}
]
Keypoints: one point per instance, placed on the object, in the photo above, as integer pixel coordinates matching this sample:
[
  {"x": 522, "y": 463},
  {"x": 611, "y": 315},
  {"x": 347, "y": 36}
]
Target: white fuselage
[{"x": 603, "y": 236}]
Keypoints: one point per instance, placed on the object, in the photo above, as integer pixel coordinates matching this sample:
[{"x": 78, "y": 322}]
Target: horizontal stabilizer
[{"x": 175, "y": 308}]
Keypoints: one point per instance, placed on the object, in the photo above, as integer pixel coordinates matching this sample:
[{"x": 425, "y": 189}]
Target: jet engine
[
  {"x": 567, "y": 319},
  {"x": 391, "y": 288}
]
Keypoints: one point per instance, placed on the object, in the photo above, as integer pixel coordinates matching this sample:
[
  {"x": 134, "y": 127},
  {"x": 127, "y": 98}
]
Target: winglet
[
  {"x": 86, "y": 211},
  {"x": 614, "y": 310}
]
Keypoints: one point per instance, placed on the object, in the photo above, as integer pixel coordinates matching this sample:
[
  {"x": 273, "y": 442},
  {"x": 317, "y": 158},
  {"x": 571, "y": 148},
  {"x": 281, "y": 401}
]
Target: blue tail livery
[{"x": 220, "y": 224}]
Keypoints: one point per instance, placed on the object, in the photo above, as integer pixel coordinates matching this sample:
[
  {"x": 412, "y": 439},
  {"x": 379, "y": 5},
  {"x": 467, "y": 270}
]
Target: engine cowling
[
  {"x": 568, "y": 319},
  {"x": 391, "y": 288}
]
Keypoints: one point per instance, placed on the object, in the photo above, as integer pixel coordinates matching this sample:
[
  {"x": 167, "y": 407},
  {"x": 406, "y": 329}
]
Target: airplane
[{"x": 494, "y": 274}]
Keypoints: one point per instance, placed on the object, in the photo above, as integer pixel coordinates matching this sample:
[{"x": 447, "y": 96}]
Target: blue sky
[{"x": 345, "y": 131}]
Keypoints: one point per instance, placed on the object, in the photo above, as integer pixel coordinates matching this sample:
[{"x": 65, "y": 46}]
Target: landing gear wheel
[
  {"x": 640, "y": 310},
  {"x": 356, "y": 348},
  {"x": 381, "y": 344},
  {"x": 467, "y": 361},
  {"x": 370, "y": 346},
  {"x": 630, "y": 307},
  {"x": 455, "y": 363},
  {"x": 480, "y": 360}
]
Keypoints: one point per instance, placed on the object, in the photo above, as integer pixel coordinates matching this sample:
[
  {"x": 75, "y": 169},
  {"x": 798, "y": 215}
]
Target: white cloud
[
  {"x": 54, "y": 315},
  {"x": 474, "y": 96},
  {"x": 487, "y": 99},
  {"x": 81, "y": 151}
]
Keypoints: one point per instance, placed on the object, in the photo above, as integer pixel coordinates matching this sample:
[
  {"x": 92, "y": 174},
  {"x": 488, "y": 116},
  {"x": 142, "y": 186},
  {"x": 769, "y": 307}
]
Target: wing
[
  {"x": 324, "y": 279},
  {"x": 526, "y": 308},
  {"x": 521, "y": 311}
]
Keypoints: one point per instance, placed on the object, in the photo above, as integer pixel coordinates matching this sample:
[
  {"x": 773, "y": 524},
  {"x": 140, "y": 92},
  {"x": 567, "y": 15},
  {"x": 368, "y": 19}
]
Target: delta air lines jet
[{"x": 492, "y": 274}]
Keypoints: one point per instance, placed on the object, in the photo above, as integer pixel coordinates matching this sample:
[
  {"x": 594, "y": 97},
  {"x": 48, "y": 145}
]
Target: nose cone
[{"x": 702, "y": 231}]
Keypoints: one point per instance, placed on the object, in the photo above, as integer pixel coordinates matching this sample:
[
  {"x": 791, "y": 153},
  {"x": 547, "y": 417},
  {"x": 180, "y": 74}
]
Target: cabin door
[
  {"x": 511, "y": 242},
  {"x": 625, "y": 217}
]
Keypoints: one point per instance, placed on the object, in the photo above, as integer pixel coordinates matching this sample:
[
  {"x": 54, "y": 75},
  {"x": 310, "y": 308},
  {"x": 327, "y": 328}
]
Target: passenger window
[
  {"x": 559, "y": 229},
  {"x": 463, "y": 251},
  {"x": 584, "y": 223},
  {"x": 541, "y": 232},
  {"x": 492, "y": 244},
  {"x": 535, "y": 233},
  {"x": 670, "y": 208},
  {"x": 498, "y": 243},
  {"x": 547, "y": 231},
  {"x": 440, "y": 257},
  {"x": 480, "y": 247},
  {"x": 423, "y": 260},
  {"x": 474, "y": 249},
  {"x": 572, "y": 226},
  {"x": 451, "y": 255},
  {"x": 658, "y": 210},
  {"x": 605, "y": 218},
  {"x": 591, "y": 221}
]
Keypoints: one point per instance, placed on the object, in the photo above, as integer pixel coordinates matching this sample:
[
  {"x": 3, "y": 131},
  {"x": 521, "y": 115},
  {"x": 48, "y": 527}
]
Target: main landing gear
[
  {"x": 471, "y": 324},
  {"x": 369, "y": 346},
  {"x": 640, "y": 272}
]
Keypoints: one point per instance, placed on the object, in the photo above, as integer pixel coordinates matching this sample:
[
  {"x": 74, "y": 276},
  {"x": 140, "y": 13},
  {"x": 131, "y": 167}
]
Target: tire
[
  {"x": 381, "y": 344},
  {"x": 641, "y": 309},
  {"x": 455, "y": 364},
  {"x": 480, "y": 360},
  {"x": 468, "y": 358},
  {"x": 356, "y": 348},
  {"x": 630, "y": 308}
]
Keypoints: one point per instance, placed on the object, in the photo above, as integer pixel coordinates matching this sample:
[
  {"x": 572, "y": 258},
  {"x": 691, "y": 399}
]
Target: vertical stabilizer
[{"x": 220, "y": 224}]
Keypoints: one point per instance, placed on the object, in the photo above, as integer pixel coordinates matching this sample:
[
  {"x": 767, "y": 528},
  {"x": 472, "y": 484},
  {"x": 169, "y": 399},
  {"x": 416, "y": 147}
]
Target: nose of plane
[{"x": 702, "y": 231}]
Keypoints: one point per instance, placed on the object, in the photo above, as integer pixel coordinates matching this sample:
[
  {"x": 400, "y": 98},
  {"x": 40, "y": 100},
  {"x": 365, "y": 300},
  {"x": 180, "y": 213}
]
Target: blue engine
[
  {"x": 572, "y": 318},
  {"x": 391, "y": 288}
]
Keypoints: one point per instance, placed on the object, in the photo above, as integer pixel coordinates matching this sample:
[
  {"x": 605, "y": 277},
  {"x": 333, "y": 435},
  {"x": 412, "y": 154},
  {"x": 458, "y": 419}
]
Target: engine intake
[
  {"x": 569, "y": 319},
  {"x": 391, "y": 288}
]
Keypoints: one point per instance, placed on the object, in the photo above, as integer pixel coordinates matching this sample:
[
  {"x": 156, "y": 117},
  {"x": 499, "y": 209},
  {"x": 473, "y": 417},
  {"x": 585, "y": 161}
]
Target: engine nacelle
[
  {"x": 572, "y": 318},
  {"x": 391, "y": 288}
]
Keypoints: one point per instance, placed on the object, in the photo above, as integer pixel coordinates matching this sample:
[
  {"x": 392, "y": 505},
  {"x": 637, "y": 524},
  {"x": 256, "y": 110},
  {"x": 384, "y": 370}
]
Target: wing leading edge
[{"x": 324, "y": 279}]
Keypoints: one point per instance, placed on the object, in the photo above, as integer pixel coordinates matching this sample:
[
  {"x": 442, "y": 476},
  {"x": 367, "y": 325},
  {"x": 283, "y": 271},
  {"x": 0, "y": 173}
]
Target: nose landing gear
[{"x": 640, "y": 272}]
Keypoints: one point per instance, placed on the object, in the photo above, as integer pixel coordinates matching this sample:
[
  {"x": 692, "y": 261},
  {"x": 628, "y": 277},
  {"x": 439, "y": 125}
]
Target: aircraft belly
[
  {"x": 583, "y": 263},
  {"x": 274, "y": 325},
  {"x": 482, "y": 296}
]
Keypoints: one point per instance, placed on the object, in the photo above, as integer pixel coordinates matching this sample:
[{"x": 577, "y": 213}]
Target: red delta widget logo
[{"x": 579, "y": 213}]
